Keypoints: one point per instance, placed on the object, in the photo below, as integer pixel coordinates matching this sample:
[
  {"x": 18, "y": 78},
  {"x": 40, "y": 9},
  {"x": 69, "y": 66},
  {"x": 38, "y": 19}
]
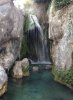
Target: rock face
[
  {"x": 3, "y": 81},
  {"x": 39, "y": 9},
  {"x": 11, "y": 28},
  {"x": 21, "y": 68},
  {"x": 61, "y": 32}
]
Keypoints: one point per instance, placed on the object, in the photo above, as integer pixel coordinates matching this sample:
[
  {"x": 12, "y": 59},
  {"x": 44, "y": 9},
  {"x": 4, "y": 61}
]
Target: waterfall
[{"x": 38, "y": 41}]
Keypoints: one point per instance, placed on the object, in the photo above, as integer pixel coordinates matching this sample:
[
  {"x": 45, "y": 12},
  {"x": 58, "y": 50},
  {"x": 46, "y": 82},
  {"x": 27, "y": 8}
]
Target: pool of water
[{"x": 39, "y": 86}]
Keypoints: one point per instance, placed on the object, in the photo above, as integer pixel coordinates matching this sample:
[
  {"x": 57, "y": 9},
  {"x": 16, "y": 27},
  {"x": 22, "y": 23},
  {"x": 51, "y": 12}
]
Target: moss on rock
[
  {"x": 24, "y": 48},
  {"x": 63, "y": 76},
  {"x": 61, "y": 3},
  {"x": 26, "y": 23},
  {"x": 25, "y": 71},
  {"x": 29, "y": 25},
  {"x": 72, "y": 58}
]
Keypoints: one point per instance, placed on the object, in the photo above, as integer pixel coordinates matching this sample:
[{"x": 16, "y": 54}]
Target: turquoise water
[{"x": 39, "y": 86}]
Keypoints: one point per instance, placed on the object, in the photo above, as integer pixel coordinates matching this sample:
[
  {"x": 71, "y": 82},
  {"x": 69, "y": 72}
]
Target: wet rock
[
  {"x": 35, "y": 68},
  {"x": 3, "y": 81},
  {"x": 21, "y": 68}
]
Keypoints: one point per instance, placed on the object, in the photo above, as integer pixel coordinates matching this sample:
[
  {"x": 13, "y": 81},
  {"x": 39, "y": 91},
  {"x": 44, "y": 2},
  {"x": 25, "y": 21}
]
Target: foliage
[
  {"x": 61, "y": 3},
  {"x": 24, "y": 48},
  {"x": 64, "y": 76},
  {"x": 24, "y": 45},
  {"x": 26, "y": 23},
  {"x": 68, "y": 78},
  {"x": 25, "y": 69},
  {"x": 28, "y": 27}
]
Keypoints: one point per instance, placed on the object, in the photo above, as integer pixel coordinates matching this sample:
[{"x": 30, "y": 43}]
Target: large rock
[
  {"x": 3, "y": 81},
  {"x": 61, "y": 32},
  {"x": 11, "y": 28},
  {"x": 21, "y": 68}
]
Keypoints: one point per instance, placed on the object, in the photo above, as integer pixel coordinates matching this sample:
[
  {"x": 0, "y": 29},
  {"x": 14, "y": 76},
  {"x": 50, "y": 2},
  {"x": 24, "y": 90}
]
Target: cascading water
[{"x": 37, "y": 41}]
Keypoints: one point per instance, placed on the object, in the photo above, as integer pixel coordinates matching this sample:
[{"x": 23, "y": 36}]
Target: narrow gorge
[{"x": 36, "y": 49}]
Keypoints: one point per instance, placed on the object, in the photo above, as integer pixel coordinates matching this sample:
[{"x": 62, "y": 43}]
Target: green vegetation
[
  {"x": 24, "y": 48},
  {"x": 64, "y": 76},
  {"x": 61, "y": 3},
  {"x": 26, "y": 23},
  {"x": 29, "y": 23},
  {"x": 72, "y": 56},
  {"x": 25, "y": 69}
]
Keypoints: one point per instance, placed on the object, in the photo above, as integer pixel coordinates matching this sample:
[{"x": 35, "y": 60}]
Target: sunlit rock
[{"x": 21, "y": 68}]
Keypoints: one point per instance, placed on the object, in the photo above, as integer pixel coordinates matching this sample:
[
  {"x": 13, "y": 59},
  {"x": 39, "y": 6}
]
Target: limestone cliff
[
  {"x": 11, "y": 28},
  {"x": 61, "y": 32}
]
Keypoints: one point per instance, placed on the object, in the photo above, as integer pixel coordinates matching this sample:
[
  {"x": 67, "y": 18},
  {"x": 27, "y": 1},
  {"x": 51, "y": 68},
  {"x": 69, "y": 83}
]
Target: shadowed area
[{"x": 42, "y": 1}]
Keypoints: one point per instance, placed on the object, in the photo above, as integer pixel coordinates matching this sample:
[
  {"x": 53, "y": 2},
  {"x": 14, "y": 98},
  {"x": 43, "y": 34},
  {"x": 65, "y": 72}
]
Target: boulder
[
  {"x": 61, "y": 32},
  {"x": 25, "y": 67},
  {"x": 17, "y": 70},
  {"x": 21, "y": 68}
]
